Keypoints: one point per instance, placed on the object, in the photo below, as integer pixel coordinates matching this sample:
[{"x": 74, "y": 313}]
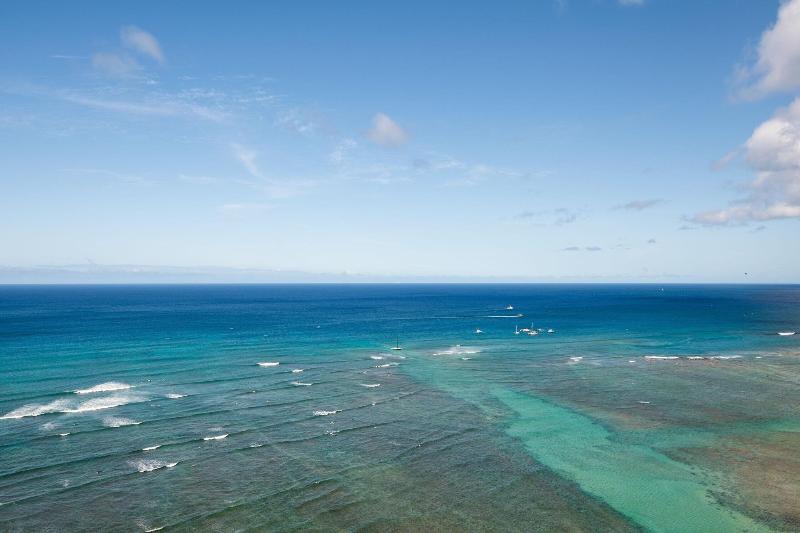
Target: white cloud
[
  {"x": 777, "y": 67},
  {"x": 143, "y": 42},
  {"x": 116, "y": 66},
  {"x": 247, "y": 157},
  {"x": 640, "y": 205},
  {"x": 773, "y": 151},
  {"x": 163, "y": 106},
  {"x": 386, "y": 131},
  {"x": 627, "y": 3}
]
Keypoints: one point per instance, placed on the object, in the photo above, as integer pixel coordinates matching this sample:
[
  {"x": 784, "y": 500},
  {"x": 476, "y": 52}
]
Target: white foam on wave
[
  {"x": 56, "y": 406},
  {"x": 661, "y": 357},
  {"x": 786, "y": 333},
  {"x": 68, "y": 406},
  {"x": 458, "y": 350},
  {"x": 269, "y": 363},
  {"x": 98, "y": 404},
  {"x": 370, "y": 385},
  {"x": 376, "y": 357},
  {"x": 725, "y": 357},
  {"x": 301, "y": 384},
  {"x": 466, "y": 358},
  {"x": 326, "y": 413},
  {"x": 217, "y": 437},
  {"x": 386, "y": 365},
  {"x": 576, "y": 359},
  {"x": 49, "y": 426},
  {"x": 63, "y": 434},
  {"x": 296, "y": 370},
  {"x": 118, "y": 421},
  {"x": 108, "y": 386},
  {"x": 175, "y": 395},
  {"x": 151, "y": 448},
  {"x": 148, "y": 465}
]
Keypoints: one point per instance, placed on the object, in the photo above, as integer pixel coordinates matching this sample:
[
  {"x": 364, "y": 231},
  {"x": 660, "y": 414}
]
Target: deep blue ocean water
[{"x": 664, "y": 408}]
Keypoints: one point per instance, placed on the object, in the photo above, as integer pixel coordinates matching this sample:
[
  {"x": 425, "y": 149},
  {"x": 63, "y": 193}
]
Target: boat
[
  {"x": 477, "y": 331},
  {"x": 533, "y": 332},
  {"x": 786, "y": 333},
  {"x": 510, "y": 308},
  {"x": 516, "y": 330},
  {"x": 551, "y": 330},
  {"x": 397, "y": 345}
]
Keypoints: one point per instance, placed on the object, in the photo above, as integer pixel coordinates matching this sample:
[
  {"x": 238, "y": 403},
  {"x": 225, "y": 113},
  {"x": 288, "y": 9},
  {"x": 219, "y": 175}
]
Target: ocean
[{"x": 284, "y": 407}]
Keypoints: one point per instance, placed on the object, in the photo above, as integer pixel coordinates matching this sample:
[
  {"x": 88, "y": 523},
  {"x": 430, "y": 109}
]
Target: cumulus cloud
[
  {"x": 773, "y": 151},
  {"x": 142, "y": 42},
  {"x": 639, "y": 205},
  {"x": 386, "y": 132},
  {"x": 777, "y": 64},
  {"x": 631, "y": 2}
]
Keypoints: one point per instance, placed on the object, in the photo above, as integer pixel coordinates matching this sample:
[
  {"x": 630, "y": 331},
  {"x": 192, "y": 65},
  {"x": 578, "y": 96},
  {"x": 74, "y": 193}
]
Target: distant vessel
[
  {"x": 477, "y": 331},
  {"x": 516, "y": 330},
  {"x": 397, "y": 345},
  {"x": 510, "y": 308},
  {"x": 551, "y": 330},
  {"x": 786, "y": 333}
]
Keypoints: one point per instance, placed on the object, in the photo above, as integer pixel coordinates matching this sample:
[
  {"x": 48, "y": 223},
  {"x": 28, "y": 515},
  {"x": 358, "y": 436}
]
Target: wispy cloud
[
  {"x": 247, "y": 157},
  {"x": 116, "y": 66},
  {"x": 386, "y": 132},
  {"x": 142, "y": 42},
  {"x": 583, "y": 249},
  {"x": 640, "y": 205},
  {"x": 629, "y": 3},
  {"x": 162, "y": 105}
]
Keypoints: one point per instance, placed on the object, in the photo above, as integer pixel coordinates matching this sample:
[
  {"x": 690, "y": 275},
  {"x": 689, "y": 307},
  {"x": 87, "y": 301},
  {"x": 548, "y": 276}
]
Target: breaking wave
[{"x": 109, "y": 386}]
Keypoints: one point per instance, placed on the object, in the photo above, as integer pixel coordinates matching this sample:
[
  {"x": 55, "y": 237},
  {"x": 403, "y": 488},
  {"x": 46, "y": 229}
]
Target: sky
[{"x": 554, "y": 141}]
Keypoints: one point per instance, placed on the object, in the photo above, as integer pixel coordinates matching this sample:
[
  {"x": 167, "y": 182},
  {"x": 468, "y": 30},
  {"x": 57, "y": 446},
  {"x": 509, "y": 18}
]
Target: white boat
[
  {"x": 510, "y": 308},
  {"x": 516, "y": 330},
  {"x": 786, "y": 333},
  {"x": 551, "y": 330},
  {"x": 397, "y": 345},
  {"x": 533, "y": 332},
  {"x": 477, "y": 331}
]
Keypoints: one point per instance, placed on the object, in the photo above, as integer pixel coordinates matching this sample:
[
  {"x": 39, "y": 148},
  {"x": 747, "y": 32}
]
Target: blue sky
[{"x": 596, "y": 140}]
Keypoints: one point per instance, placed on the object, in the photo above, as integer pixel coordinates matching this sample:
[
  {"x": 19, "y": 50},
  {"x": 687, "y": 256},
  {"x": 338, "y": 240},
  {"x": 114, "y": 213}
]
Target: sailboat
[{"x": 397, "y": 345}]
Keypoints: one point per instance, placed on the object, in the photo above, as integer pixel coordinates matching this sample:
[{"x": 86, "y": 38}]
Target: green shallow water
[{"x": 653, "y": 490}]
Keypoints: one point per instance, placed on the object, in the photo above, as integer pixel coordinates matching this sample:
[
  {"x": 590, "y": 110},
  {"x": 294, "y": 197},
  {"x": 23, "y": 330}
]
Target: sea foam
[
  {"x": 269, "y": 363},
  {"x": 109, "y": 386},
  {"x": 148, "y": 465},
  {"x": 118, "y": 421},
  {"x": 458, "y": 350},
  {"x": 217, "y": 437},
  {"x": 326, "y": 413}
]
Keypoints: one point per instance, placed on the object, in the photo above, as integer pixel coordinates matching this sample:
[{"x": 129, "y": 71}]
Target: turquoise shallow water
[{"x": 671, "y": 408}]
